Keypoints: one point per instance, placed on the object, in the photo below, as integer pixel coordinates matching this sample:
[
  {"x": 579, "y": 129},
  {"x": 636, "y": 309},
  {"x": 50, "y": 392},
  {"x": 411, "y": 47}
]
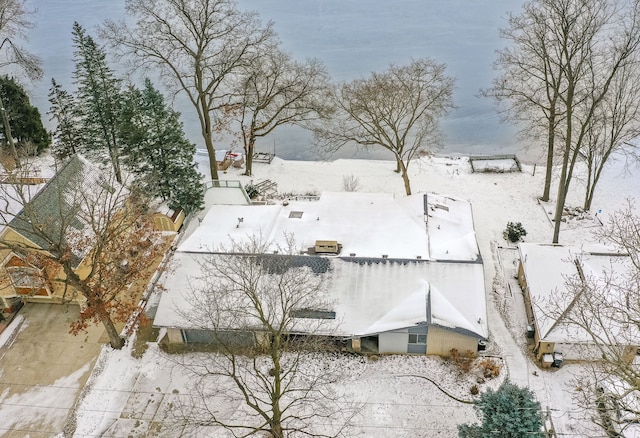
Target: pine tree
[
  {"x": 24, "y": 119},
  {"x": 509, "y": 412},
  {"x": 156, "y": 150},
  {"x": 99, "y": 98},
  {"x": 67, "y": 137}
]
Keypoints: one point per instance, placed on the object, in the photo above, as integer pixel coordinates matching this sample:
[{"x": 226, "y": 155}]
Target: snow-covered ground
[{"x": 132, "y": 397}]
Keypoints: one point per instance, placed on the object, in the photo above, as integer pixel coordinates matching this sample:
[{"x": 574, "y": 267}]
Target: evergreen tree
[
  {"x": 509, "y": 412},
  {"x": 67, "y": 137},
  {"x": 24, "y": 119},
  {"x": 156, "y": 150},
  {"x": 99, "y": 98}
]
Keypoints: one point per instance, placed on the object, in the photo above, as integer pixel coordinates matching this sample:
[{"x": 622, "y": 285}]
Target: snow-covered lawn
[
  {"x": 132, "y": 397},
  {"x": 394, "y": 396}
]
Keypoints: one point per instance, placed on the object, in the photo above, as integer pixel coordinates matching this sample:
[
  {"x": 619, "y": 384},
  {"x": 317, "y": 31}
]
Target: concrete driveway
[{"x": 43, "y": 369}]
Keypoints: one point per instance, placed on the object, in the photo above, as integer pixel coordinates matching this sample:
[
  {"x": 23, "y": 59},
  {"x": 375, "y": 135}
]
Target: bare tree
[
  {"x": 195, "y": 45},
  {"x": 267, "y": 321},
  {"x": 614, "y": 125},
  {"x": 85, "y": 237},
  {"x": 576, "y": 51},
  {"x": 277, "y": 90},
  {"x": 531, "y": 80},
  {"x": 14, "y": 22},
  {"x": 604, "y": 305},
  {"x": 398, "y": 110},
  {"x": 599, "y": 42}
]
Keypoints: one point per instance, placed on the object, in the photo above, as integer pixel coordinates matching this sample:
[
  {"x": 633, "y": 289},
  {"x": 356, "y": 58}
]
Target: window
[
  {"x": 26, "y": 277},
  {"x": 415, "y": 338},
  {"x": 313, "y": 314}
]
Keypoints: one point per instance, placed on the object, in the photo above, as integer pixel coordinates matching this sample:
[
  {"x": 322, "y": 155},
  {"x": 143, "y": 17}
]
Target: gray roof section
[{"x": 57, "y": 208}]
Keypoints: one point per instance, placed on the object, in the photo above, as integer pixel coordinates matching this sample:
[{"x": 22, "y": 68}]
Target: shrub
[
  {"x": 350, "y": 183},
  {"x": 515, "y": 231},
  {"x": 489, "y": 368},
  {"x": 474, "y": 390},
  {"x": 462, "y": 361}
]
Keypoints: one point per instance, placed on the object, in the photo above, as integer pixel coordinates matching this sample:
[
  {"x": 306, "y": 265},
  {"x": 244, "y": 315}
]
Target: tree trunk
[
  {"x": 115, "y": 339},
  {"x": 249, "y": 155},
  {"x": 550, "y": 152},
  {"x": 9, "y": 137},
  {"x": 208, "y": 140},
  {"x": 275, "y": 425},
  {"x": 405, "y": 176},
  {"x": 563, "y": 184},
  {"x": 113, "y": 155}
]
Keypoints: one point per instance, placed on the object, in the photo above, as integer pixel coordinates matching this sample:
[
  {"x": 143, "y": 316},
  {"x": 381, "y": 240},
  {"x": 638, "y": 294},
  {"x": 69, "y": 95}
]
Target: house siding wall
[
  {"x": 393, "y": 342},
  {"x": 441, "y": 341}
]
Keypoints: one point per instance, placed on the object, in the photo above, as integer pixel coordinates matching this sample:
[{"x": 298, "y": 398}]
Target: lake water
[{"x": 353, "y": 38}]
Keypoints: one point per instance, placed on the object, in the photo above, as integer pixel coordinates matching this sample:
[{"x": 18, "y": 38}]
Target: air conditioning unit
[{"x": 327, "y": 247}]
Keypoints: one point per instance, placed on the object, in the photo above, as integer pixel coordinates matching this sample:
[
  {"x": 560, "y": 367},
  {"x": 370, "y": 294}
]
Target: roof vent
[
  {"x": 353, "y": 254},
  {"x": 385, "y": 256},
  {"x": 419, "y": 257}
]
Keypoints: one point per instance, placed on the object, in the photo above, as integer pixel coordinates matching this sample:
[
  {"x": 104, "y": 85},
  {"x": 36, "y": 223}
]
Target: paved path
[{"x": 43, "y": 369}]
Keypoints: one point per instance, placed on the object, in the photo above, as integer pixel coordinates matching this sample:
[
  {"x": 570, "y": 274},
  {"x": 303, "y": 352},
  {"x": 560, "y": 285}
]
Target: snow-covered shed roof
[
  {"x": 547, "y": 268},
  {"x": 365, "y": 224},
  {"x": 369, "y": 296}
]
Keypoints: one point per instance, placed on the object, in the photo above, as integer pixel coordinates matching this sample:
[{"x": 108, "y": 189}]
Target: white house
[
  {"x": 543, "y": 274},
  {"x": 404, "y": 274}
]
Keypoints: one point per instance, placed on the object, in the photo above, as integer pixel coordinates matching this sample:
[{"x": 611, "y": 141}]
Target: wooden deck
[
  {"x": 263, "y": 157},
  {"x": 267, "y": 187},
  {"x": 24, "y": 180}
]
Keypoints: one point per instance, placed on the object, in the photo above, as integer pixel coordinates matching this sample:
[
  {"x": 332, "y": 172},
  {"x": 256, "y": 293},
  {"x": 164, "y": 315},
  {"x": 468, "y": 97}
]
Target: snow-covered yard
[{"x": 129, "y": 396}]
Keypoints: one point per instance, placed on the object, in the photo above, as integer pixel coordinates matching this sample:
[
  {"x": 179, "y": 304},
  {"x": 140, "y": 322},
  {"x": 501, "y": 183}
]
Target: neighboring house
[
  {"x": 404, "y": 275},
  {"x": 59, "y": 207},
  {"x": 543, "y": 273}
]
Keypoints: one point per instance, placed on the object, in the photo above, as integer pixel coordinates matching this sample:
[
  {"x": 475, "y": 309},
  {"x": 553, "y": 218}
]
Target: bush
[
  {"x": 515, "y": 231},
  {"x": 474, "y": 390},
  {"x": 350, "y": 183},
  {"x": 489, "y": 368},
  {"x": 462, "y": 361}
]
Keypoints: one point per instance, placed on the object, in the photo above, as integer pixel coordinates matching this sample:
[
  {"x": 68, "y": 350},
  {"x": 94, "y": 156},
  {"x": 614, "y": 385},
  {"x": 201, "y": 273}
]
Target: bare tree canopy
[
  {"x": 14, "y": 23},
  {"x": 530, "y": 81},
  {"x": 605, "y": 306},
  {"x": 195, "y": 45},
  {"x": 398, "y": 110},
  {"x": 616, "y": 123},
  {"x": 83, "y": 236},
  {"x": 276, "y": 90},
  {"x": 254, "y": 307},
  {"x": 561, "y": 77}
]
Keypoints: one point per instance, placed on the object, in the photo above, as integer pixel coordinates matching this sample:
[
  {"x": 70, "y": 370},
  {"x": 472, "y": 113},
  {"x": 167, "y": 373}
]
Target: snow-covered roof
[
  {"x": 397, "y": 266},
  {"x": 547, "y": 268},
  {"x": 365, "y": 224},
  {"x": 67, "y": 203},
  {"x": 369, "y": 296}
]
